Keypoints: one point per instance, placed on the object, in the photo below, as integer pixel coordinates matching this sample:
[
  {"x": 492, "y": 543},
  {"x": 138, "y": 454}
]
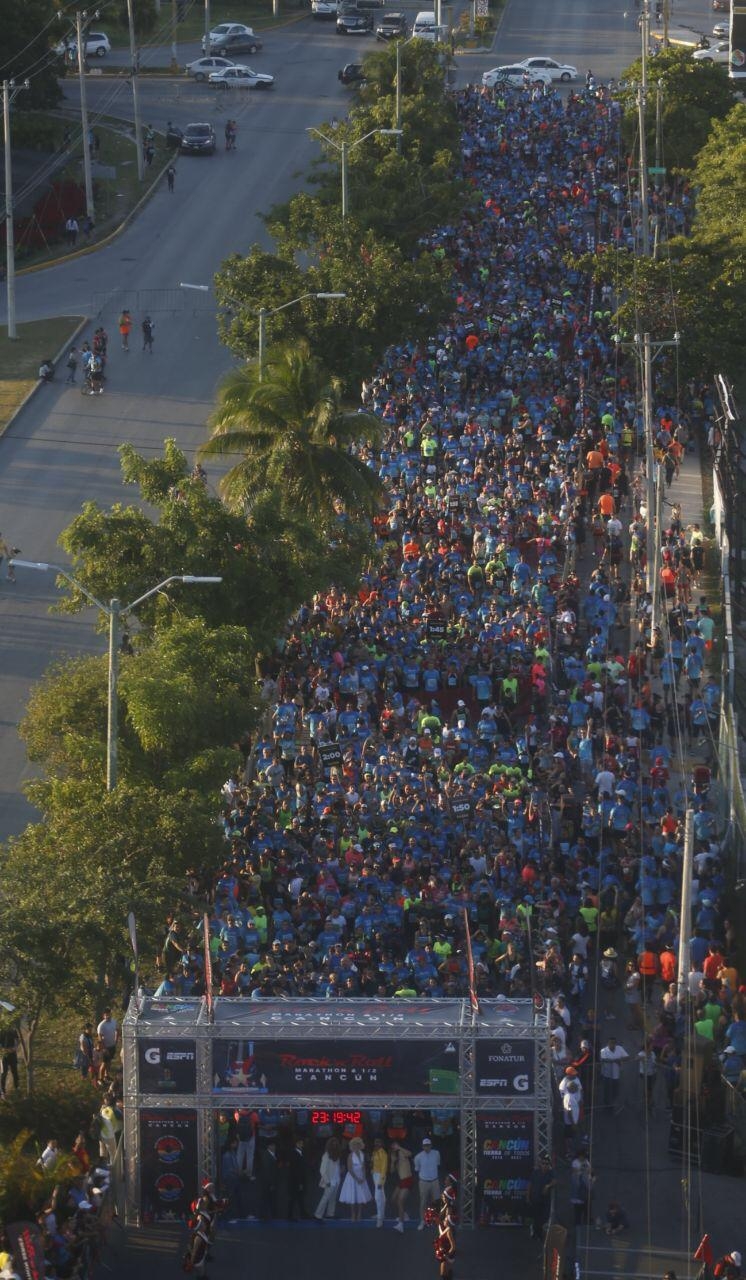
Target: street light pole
[
  {"x": 10, "y": 92},
  {"x": 344, "y": 148},
  {"x": 89, "y": 208},
  {"x": 114, "y": 612},
  {"x": 208, "y": 24},
  {"x": 647, "y": 411},
  {"x": 263, "y": 312},
  {"x": 262, "y": 339},
  {"x": 112, "y": 758},
  {"x": 344, "y": 181},
  {"x": 134, "y": 58},
  {"x": 174, "y": 40}
]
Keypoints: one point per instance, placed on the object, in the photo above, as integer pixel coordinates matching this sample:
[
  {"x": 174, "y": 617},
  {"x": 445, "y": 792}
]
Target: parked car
[
  {"x": 241, "y": 78},
  {"x": 392, "y": 26},
  {"x": 352, "y": 73},
  {"x": 513, "y": 75},
  {"x": 353, "y": 22},
  {"x": 198, "y": 140},
  {"x": 324, "y": 8},
  {"x": 225, "y": 29},
  {"x": 96, "y": 46},
  {"x": 201, "y": 68},
  {"x": 720, "y": 30},
  {"x": 557, "y": 70},
  {"x": 238, "y": 42},
  {"x": 719, "y": 52}
]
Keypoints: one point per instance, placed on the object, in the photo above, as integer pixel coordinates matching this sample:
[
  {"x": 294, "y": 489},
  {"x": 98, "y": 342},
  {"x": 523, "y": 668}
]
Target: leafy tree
[
  {"x": 289, "y": 424},
  {"x": 269, "y": 560},
  {"x": 29, "y": 31},
  {"x": 694, "y": 94},
  {"x": 144, "y": 13},
  {"x": 388, "y": 292},
  {"x": 189, "y": 691},
  {"x": 76, "y": 874},
  {"x": 64, "y": 725},
  {"x": 720, "y": 183},
  {"x": 185, "y": 696}
]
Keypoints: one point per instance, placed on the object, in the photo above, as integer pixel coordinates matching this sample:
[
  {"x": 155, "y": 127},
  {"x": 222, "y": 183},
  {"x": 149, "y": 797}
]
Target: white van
[{"x": 425, "y": 26}]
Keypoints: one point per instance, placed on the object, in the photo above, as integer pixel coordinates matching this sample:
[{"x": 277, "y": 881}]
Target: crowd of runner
[{"x": 490, "y": 729}]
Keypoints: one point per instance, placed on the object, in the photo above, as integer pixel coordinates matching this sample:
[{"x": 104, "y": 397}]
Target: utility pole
[
  {"x": 345, "y": 194},
  {"x": 208, "y": 24},
  {"x": 174, "y": 43},
  {"x": 113, "y": 716},
  {"x": 647, "y": 409},
  {"x": 644, "y": 199},
  {"x": 685, "y": 923},
  {"x": 398, "y": 94},
  {"x": 666, "y": 21},
  {"x": 263, "y": 313},
  {"x": 135, "y": 60},
  {"x": 645, "y": 35},
  {"x": 80, "y": 32},
  {"x": 659, "y": 487},
  {"x": 10, "y": 92}
]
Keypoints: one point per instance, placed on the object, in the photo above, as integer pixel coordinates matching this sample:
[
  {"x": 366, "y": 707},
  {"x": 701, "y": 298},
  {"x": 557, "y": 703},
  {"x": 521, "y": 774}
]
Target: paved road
[{"x": 61, "y": 451}]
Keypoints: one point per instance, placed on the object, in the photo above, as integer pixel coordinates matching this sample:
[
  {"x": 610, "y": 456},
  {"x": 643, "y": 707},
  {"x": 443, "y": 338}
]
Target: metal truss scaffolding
[{"x": 185, "y": 1062}]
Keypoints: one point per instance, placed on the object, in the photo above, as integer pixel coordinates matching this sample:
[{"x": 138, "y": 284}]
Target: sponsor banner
[
  {"x": 27, "y": 1248},
  {"x": 168, "y": 1164},
  {"x": 505, "y": 1068},
  {"x": 167, "y": 1066},
  {"x": 505, "y": 1161},
  {"x": 349, "y": 1067}
]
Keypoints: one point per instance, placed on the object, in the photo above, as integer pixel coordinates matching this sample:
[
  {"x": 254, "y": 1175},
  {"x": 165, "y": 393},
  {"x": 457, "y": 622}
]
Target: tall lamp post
[
  {"x": 264, "y": 312},
  {"x": 114, "y": 612},
  {"x": 643, "y": 350},
  {"x": 344, "y": 149}
]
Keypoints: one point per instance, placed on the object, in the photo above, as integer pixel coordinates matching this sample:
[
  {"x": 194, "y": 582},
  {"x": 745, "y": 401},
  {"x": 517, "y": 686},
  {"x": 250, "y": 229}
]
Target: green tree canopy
[
  {"x": 186, "y": 698},
  {"x": 289, "y": 424},
  {"x": 95, "y": 856},
  {"x": 388, "y": 292},
  {"x": 269, "y": 560},
  {"x": 694, "y": 94},
  {"x": 29, "y": 30},
  {"x": 720, "y": 182}
]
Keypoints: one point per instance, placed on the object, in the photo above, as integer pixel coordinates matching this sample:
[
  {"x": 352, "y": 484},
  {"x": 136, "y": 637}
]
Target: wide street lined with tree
[{"x": 175, "y": 733}]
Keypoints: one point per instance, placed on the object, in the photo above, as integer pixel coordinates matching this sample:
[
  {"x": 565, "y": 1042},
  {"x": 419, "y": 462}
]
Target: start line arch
[{"x": 183, "y": 1061}]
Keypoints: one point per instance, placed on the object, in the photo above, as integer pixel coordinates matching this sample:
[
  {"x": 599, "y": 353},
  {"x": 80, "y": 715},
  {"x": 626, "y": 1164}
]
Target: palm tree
[{"x": 294, "y": 435}]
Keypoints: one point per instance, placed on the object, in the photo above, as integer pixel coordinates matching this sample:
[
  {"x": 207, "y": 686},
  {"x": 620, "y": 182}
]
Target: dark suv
[
  {"x": 198, "y": 140},
  {"x": 353, "y": 22},
  {"x": 393, "y": 26},
  {"x": 351, "y": 74}
]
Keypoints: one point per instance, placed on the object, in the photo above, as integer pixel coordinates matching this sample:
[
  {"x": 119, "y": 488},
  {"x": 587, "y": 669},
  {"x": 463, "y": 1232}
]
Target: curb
[
  {"x": 107, "y": 240},
  {"x": 84, "y": 321}
]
